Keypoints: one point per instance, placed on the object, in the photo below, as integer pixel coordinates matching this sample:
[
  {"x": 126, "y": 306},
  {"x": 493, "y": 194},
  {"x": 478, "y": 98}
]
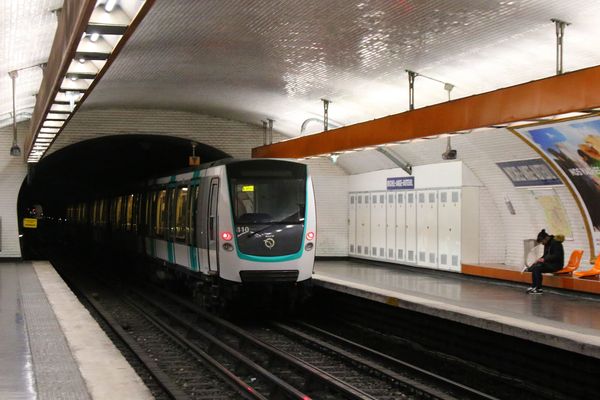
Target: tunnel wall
[{"x": 12, "y": 172}]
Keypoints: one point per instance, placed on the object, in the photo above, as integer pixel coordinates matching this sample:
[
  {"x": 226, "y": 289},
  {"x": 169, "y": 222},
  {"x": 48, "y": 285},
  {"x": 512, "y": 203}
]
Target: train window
[
  {"x": 148, "y": 221},
  {"x": 135, "y": 211},
  {"x": 193, "y": 208},
  {"x": 129, "y": 213},
  {"x": 102, "y": 212},
  {"x": 160, "y": 214},
  {"x": 180, "y": 215},
  {"x": 271, "y": 200}
]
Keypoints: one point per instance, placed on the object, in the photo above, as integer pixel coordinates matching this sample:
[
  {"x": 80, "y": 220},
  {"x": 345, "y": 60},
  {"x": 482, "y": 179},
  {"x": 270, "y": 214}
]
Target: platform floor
[
  {"x": 50, "y": 346},
  {"x": 558, "y": 318}
]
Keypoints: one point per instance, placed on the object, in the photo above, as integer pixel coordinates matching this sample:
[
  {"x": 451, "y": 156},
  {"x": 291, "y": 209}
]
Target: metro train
[{"x": 223, "y": 227}]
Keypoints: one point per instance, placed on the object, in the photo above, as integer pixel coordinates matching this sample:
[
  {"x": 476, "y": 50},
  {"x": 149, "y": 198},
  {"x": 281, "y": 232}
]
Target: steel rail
[
  {"x": 314, "y": 373},
  {"x": 164, "y": 381},
  {"x": 458, "y": 390},
  {"x": 279, "y": 384}
]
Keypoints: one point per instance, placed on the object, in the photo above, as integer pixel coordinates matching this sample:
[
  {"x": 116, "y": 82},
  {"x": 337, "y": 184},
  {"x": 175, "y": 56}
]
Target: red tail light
[
  {"x": 226, "y": 236},
  {"x": 310, "y": 236}
]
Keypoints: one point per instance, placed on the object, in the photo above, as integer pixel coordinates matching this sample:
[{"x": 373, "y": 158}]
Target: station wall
[
  {"x": 502, "y": 233},
  {"x": 12, "y": 172}
]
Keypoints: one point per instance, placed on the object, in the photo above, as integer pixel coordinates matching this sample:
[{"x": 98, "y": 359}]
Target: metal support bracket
[
  {"x": 560, "y": 33},
  {"x": 411, "y": 89},
  {"x": 326, "y": 114}
]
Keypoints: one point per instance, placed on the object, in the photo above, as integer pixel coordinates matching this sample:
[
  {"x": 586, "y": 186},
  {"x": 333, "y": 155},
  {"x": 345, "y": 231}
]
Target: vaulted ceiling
[{"x": 255, "y": 59}]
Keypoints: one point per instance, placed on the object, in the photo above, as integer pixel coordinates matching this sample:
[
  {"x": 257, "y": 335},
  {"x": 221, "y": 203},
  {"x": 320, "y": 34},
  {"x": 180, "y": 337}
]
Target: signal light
[
  {"x": 226, "y": 236},
  {"x": 310, "y": 236}
]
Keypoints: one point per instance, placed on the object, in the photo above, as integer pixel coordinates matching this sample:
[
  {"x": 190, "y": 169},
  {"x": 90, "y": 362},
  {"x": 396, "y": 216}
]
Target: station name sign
[
  {"x": 401, "y": 183},
  {"x": 534, "y": 172}
]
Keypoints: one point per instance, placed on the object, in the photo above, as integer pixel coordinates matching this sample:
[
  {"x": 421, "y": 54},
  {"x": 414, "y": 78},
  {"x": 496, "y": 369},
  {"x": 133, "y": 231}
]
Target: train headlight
[
  {"x": 310, "y": 235},
  {"x": 227, "y": 247},
  {"x": 309, "y": 246}
]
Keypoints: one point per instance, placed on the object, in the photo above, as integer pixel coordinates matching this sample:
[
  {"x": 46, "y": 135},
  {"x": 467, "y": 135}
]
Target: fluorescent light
[
  {"x": 53, "y": 124},
  {"x": 110, "y": 5},
  {"x": 49, "y": 130},
  {"x": 94, "y": 36}
]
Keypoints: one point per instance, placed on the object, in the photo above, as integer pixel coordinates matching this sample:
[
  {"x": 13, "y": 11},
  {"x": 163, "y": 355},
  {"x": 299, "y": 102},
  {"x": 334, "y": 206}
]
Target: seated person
[{"x": 552, "y": 260}]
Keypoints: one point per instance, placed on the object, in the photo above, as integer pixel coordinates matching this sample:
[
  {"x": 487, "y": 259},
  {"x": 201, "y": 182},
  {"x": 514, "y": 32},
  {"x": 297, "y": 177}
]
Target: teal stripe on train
[
  {"x": 171, "y": 252},
  {"x": 193, "y": 253}
]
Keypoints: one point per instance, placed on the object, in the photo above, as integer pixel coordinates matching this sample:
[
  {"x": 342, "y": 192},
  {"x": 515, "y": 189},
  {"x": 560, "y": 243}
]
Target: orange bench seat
[
  {"x": 573, "y": 263},
  {"x": 595, "y": 270}
]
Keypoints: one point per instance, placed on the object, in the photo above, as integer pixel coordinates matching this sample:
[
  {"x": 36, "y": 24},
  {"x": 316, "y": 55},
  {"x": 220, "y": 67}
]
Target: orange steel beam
[{"x": 574, "y": 91}]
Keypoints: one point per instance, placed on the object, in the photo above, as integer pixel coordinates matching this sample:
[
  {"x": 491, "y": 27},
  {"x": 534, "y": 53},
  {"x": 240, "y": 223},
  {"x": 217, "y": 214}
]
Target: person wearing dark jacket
[{"x": 552, "y": 260}]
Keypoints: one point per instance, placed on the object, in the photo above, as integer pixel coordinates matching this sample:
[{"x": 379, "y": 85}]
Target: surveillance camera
[{"x": 449, "y": 154}]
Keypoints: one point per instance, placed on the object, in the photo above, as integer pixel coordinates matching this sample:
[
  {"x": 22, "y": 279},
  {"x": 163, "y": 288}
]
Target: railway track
[
  {"x": 319, "y": 369},
  {"x": 191, "y": 354}
]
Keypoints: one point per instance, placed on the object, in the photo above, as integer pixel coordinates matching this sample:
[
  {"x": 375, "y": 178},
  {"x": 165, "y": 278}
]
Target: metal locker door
[
  {"x": 401, "y": 226},
  {"x": 427, "y": 228},
  {"x": 352, "y": 224},
  {"x": 378, "y": 224},
  {"x": 411, "y": 227},
  {"x": 390, "y": 224},
  {"x": 444, "y": 229},
  {"x": 455, "y": 218}
]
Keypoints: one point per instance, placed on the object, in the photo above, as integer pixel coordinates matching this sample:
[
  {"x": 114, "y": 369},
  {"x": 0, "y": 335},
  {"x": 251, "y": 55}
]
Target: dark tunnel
[{"x": 96, "y": 167}]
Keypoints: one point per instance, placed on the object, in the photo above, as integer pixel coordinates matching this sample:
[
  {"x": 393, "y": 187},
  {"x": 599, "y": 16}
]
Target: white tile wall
[
  {"x": 12, "y": 172},
  {"x": 233, "y": 137},
  {"x": 331, "y": 194}
]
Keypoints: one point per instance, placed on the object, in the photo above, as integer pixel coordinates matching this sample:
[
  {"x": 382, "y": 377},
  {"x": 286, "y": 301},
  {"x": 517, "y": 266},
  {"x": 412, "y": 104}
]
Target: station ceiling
[{"x": 250, "y": 60}]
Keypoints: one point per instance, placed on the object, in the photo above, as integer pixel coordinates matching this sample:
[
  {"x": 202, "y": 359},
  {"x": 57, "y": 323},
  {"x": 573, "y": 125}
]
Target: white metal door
[
  {"x": 363, "y": 224},
  {"x": 390, "y": 224},
  {"x": 411, "y": 227},
  {"x": 352, "y": 224},
  {"x": 427, "y": 228},
  {"x": 449, "y": 216},
  {"x": 400, "y": 226},
  {"x": 378, "y": 224}
]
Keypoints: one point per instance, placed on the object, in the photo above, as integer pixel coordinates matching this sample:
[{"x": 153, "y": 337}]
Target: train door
[
  {"x": 213, "y": 225},
  {"x": 352, "y": 224}
]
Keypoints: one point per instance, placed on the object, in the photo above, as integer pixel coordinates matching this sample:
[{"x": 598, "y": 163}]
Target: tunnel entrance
[{"x": 83, "y": 170}]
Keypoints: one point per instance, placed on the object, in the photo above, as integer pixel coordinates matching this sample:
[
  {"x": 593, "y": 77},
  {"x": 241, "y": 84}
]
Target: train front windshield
[{"x": 268, "y": 192}]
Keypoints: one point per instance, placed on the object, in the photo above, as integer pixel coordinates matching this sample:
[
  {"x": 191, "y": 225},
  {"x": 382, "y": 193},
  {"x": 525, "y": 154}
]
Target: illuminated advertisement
[{"x": 574, "y": 149}]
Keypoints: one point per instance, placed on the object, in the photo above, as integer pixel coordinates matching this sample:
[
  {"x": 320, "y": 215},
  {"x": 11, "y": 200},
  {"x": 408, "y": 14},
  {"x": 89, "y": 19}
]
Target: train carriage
[{"x": 225, "y": 226}]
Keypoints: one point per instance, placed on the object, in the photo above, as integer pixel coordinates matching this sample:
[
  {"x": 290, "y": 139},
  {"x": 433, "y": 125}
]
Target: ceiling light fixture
[
  {"x": 113, "y": 20},
  {"x": 110, "y": 5}
]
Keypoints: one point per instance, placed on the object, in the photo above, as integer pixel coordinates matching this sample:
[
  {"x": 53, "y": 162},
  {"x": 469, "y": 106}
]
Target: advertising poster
[{"x": 574, "y": 148}]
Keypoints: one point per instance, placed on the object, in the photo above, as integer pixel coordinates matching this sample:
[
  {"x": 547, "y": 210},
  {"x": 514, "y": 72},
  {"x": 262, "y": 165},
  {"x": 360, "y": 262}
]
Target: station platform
[
  {"x": 51, "y": 347},
  {"x": 558, "y": 318}
]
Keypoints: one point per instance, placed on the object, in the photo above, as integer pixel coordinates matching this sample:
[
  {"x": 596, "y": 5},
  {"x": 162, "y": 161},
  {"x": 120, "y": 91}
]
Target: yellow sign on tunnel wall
[
  {"x": 248, "y": 188},
  {"x": 30, "y": 223}
]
